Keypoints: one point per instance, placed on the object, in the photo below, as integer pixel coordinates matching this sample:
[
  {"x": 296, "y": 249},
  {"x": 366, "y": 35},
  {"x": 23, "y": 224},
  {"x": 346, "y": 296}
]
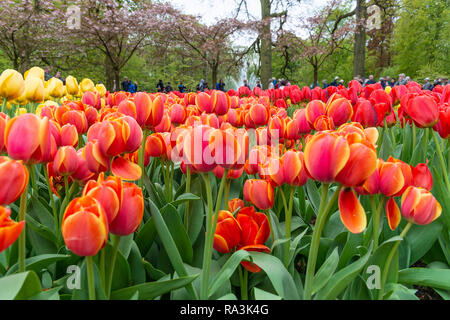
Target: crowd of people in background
[
  {"x": 129, "y": 86},
  {"x": 385, "y": 82}
]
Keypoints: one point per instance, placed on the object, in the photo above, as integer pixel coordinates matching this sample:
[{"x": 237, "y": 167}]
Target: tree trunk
[
  {"x": 266, "y": 45},
  {"x": 316, "y": 75},
  {"x": 214, "y": 69},
  {"x": 359, "y": 52},
  {"x": 112, "y": 73}
]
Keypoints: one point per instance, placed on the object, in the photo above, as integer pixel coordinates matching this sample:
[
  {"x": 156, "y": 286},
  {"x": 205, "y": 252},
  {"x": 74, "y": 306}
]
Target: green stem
[
  {"x": 33, "y": 179},
  {"x": 52, "y": 201},
  {"x": 188, "y": 189},
  {"x": 414, "y": 135},
  {"x": 141, "y": 158},
  {"x": 66, "y": 185},
  {"x": 102, "y": 267},
  {"x": 425, "y": 143},
  {"x": 269, "y": 217},
  {"x": 288, "y": 221},
  {"x": 22, "y": 236},
  {"x": 394, "y": 141},
  {"x": 66, "y": 200},
  {"x": 243, "y": 279},
  {"x": 389, "y": 260},
  {"x": 116, "y": 241},
  {"x": 315, "y": 242},
  {"x": 211, "y": 221},
  {"x": 376, "y": 217},
  {"x": 441, "y": 160},
  {"x": 90, "y": 274},
  {"x": 226, "y": 194},
  {"x": 381, "y": 140}
]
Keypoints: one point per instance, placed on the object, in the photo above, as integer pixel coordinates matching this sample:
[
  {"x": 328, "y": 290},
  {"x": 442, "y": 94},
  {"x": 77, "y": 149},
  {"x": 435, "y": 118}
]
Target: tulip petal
[
  {"x": 125, "y": 169},
  {"x": 352, "y": 213},
  {"x": 393, "y": 214}
]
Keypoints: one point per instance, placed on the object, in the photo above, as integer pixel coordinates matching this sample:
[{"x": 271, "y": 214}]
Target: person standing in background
[
  {"x": 181, "y": 87},
  {"x": 160, "y": 86}
]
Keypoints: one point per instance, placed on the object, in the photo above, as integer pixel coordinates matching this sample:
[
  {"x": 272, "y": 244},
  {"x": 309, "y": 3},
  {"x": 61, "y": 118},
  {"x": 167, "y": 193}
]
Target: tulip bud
[
  {"x": 34, "y": 89},
  {"x": 422, "y": 176},
  {"x": 86, "y": 85},
  {"x": 235, "y": 204},
  {"x": 72, "y": 85},
  {"x": 35, "y": 72}
]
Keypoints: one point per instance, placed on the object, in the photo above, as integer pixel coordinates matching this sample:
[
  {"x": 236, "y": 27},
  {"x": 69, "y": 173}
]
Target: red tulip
[
  {"x": 423, "y": 110},
  {"x": 340, "y": 110},
  {"x": 228, "y": 232},
  {"x": 422, "y": 176},
  {"x": 393, "y": 214},
  {"x": 314, "y": 109},
  {"x": 66, "y": 161}
]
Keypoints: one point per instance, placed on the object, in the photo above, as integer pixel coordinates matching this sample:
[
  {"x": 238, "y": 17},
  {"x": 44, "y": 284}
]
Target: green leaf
[
  {"x": 264, "y": 295},
  {"x": 435, "y": 278},
  {"x": 20, "y": 286},
  {"x": 170, "y": 246},
  {"x": 152, "y": 272},
  {"x": 326, "y": 271},
  {"x": 146, "y": 236},
  {"x": 51, "y": 294},
  {"x": 37, "y": 263},
  {"x": 83, "y": 292},
  {"x": 396, "y": 291},
  {"x": 227, "y": 270},
  {"x": 183, "y": 198},
  {"x": 196, "y": 212},
  {"x": 422, "y": 238},
  {"x": 342, "y": 279},
  {"x": 136, "y": 265},
  {"x": 313, "y": 195},
  {"x": 229, "y": 296},
  {"x": 152, "y": 290},
  {"x": 125, "y": 245},
  {"x": 42, "y": 230},
  {"x": 177, "y": 231},
  {"x": 281, "y": 279}
]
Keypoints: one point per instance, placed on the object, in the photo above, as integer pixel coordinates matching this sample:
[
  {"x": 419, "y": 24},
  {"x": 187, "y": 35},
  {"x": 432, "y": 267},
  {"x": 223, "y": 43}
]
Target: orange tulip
[
  {"x": 66, "y": 161},
  {"x": 92, "y": 99},
  {"x": 326, "y": 154},
  {"x": 387, "y": 179},
  {"x": 419, "y": 206},
  {"x": 225, "y": 148},
  {"x": 177, "y": 114},
  {"x": 131, "y": 211},
  {"x": 197, "y": 149},
  {"x": 69, "y": 135},
  {"x": 108, "y": 192},
  {"x": 96, "y": 161},
  {"x": 260, "y": 193},
  {"x": 203, "y": 102},
  {"x": 228, "y": 232},
  {"x": 28, "y": 138},
  {"x": 352, "y": 212},
  {"x": 324, "y": 123},
  {"x": 9, "y": 229},
  {"x": 220, "y": 102},
  {"x": 360, "y": 165},
  {"x": 156, "y": 112},
  {"x": 294, "y": 168},
  {"x": 258, "y": 115},
  {"x": 82, "y": 174},
  {"x": 13, "y": 180},
  {"x": 85, "y": 226}
]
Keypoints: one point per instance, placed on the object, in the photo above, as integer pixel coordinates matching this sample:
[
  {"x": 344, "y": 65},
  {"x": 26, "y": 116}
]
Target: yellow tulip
[
  {"x": 21, "y": 111},
  {"x": 101, "y": 89},
  {"x": 86, "y": 85},
  {"x": 55, "y": 88},
  {"x": 72, "y": 85},
  {"x": 12, "y": 84},
  {"x": 35, "y": 72},
  {"x": 388, "y": 89},
  {"x": 34, "y": 89}
]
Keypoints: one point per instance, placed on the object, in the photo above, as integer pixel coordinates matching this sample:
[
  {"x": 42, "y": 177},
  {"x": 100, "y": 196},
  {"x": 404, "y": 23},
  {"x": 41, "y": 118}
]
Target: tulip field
[{"x": 294, "y": 193}]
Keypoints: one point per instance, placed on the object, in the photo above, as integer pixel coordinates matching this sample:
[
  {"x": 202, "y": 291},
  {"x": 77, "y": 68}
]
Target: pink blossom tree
[{"x": 29, "y": 30}]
